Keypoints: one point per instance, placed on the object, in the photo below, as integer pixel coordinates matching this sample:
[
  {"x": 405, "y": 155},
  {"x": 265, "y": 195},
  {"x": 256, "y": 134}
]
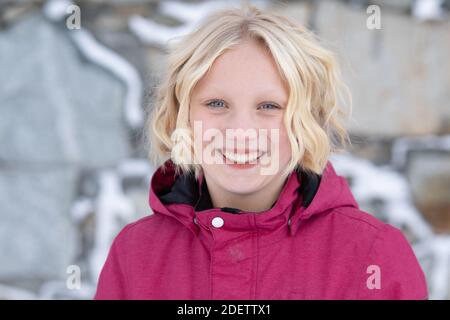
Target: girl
[{"x": 246, "y": 204}]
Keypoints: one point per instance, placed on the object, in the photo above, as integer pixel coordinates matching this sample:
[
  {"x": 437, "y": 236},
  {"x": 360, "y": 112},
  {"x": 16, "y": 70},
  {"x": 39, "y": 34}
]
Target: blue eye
[
  {"x": 271, "y": 106},
  {"x": 217, "y": 104},
  {"x": 211, "y": 104}
]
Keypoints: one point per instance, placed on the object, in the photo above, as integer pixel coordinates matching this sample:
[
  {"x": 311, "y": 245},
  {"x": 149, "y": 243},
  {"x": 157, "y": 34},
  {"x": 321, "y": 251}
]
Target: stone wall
[{"x": 73, "y": 172}]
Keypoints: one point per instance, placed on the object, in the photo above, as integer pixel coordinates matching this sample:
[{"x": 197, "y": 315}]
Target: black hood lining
[{"x": 185, "y": 190}]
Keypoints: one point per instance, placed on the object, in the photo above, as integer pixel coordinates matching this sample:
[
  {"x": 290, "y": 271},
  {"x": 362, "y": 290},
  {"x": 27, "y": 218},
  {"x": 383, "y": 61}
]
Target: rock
[
  {"x": 56, "y": 107},
  {"x": 37, "y": 239},
  {"x": 403, "y": 6},
  {"x": 376, "y": 150},
  {"x": 397, "y": 74},
  {"x": 59, "y": 114},
  {"x": 429, "y": 175},
  {"x": 298, "y": 11}
]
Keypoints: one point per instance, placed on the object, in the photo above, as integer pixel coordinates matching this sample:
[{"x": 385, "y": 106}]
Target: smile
[{"x": 241, "y": 158}]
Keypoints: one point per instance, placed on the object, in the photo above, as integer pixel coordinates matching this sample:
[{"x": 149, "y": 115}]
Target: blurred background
[{"x": 76, "y": 78}]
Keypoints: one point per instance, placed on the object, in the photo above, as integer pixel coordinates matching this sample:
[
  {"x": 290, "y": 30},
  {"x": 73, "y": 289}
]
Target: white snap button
[
  {"x": 217, "y": 222},
  {"x": 195, "y": 220},
  {"x": 289, "y": 222}
]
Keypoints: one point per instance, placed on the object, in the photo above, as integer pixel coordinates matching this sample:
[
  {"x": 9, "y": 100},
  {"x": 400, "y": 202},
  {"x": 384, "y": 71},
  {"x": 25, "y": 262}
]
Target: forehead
[{"x": 247, "y": 68}]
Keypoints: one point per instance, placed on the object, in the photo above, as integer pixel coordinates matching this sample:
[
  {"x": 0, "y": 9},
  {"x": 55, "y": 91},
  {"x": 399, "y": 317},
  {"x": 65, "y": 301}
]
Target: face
[{"x": 237, "y": 112}]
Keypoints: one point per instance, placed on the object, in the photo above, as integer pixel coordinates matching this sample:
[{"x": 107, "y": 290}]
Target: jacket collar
[{"x": 182, "y": 197}]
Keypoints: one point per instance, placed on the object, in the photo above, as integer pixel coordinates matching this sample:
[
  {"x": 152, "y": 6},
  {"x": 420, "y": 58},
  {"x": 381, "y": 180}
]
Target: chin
[{"x": 240, "y": 183}]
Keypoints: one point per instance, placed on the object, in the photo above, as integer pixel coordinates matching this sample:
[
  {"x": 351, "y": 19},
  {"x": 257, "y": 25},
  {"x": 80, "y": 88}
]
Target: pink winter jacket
[{"x": 313, "y": 243}]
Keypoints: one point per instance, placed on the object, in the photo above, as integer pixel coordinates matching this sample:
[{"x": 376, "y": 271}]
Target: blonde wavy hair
[{"x": 314, "y": 109}]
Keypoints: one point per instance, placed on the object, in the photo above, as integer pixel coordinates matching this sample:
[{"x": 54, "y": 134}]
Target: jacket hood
[
  {"x": 246, "y": 256},
  {"x": 186, "y": 199}
]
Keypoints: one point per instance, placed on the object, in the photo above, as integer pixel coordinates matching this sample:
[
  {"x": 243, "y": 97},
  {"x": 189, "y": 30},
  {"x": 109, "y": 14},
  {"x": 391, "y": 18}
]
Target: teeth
[{"x": 241, "y": 158}]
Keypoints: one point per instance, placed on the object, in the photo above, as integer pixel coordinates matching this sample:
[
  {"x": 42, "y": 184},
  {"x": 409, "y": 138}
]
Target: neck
[{"x": 261, "y": 200}]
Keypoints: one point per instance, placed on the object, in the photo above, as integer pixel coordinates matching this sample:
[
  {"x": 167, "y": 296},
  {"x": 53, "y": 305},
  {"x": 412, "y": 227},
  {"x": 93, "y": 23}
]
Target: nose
[{"x": 241, "y": 130}]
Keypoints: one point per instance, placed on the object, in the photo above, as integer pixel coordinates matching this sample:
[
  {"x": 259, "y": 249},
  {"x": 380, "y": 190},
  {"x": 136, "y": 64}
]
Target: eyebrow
[{"x": 265, "y": 92}]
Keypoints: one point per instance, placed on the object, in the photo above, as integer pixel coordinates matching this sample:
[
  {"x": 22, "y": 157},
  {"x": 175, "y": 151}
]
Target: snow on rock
[
  {"x": 190, "y": 14},
  {"x": 402, "y": 146},
  {"x": 372, "y": 182},
  {"x": 106, "y": 58},
  {"x": 428, "y": 10},
  {"x": 386, "y": 184}
]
